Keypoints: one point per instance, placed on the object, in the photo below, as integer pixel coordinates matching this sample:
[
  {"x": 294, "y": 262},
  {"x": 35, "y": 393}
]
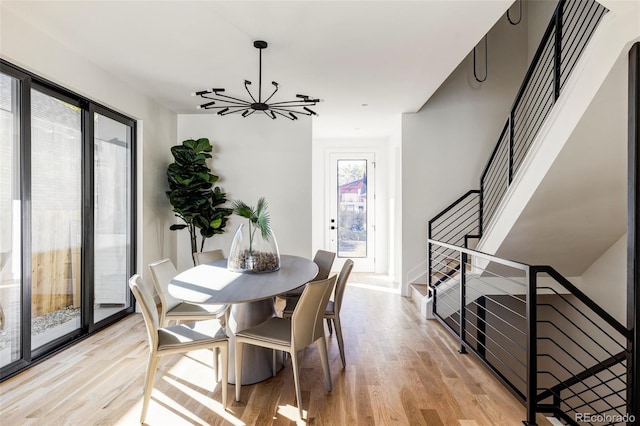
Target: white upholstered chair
[
  {"x": 324, "y": 260},
  {"x": 304, "y": 328},
  {"x": 177, "y": 339},
  {"x": 208, "y": 256},
  {"x": 332, "y": 313},
  {"x": 173, "y": 309}
]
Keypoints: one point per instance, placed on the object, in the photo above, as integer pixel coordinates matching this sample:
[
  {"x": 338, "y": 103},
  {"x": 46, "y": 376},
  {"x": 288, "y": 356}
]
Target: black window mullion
[
  {"x": 88, "y": 246},
  {"x": 25, "y": 207}
]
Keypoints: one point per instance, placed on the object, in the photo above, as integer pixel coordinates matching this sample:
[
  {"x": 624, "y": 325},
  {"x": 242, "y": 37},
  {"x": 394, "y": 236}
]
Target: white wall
[
  {"x": 447, "y": 143},
  {"x": 257, "y": 157},
  {"x": 26, "y": 46},
  {"x": 395, "y": 201},
  {"x": 605, "y": 281},
  {"x": 383, "y": 172},
  {"x": 537, "y": 15}
]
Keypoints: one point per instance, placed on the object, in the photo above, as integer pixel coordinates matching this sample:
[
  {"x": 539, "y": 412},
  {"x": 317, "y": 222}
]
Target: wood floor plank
[{"x": 401, "y": 369}]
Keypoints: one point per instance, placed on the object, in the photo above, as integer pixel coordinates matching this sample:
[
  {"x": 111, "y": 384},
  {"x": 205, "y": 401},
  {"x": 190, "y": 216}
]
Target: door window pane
[
  {"x": 112, "y": 153},
  {"x": 56, "y": 159},
  {"x": 10, "y": 224},
  {"x": 352, "y": 208}
]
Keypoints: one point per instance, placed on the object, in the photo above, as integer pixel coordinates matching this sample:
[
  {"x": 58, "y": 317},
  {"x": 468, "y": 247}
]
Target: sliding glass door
[
  {"x": 112, "y": 215},
  {"x": 11, "y": 222},
  {"x": 67, "y": 213},
  {"x": 56, "y": 213}
]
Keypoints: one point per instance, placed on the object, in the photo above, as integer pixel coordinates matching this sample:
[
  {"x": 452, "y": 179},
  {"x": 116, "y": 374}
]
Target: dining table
[{"x": 252, "y": 299}]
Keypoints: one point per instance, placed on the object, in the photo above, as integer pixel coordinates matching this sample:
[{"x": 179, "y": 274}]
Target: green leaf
[
  {"x": 177, "y": 227},
  {"x": 242, "y": 209},
  {"x": 262, "y": 218},
  {"x": 183, "y": 156},
  {"x": 190, "y": 143},
  {"x": 203, "y": 145}
]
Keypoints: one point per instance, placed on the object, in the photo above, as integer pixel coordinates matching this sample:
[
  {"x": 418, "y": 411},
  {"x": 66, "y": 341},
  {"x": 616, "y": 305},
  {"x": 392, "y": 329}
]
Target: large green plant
[{"x": 192, "y": 194}]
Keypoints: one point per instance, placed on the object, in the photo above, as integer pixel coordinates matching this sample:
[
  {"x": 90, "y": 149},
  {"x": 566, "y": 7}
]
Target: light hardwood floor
[{"x": 401, "y": 369}]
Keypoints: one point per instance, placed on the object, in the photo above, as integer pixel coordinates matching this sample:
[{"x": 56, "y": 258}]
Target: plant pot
[{"x": 259, "y": 255}]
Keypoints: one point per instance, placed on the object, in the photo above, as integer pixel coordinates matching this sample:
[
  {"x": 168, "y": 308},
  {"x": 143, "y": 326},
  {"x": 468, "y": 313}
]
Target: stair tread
[{"x": 423, "y": 289}]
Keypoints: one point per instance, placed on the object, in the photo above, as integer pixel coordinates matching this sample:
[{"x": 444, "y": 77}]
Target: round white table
[{"x": 251, "y": 296}]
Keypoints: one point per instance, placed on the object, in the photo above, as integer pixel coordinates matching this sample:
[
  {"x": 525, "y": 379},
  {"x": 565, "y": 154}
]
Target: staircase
[{"x": 553, "y": 347}]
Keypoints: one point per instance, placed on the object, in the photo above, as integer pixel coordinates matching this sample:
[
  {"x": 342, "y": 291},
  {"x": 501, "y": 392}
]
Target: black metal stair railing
[
  {"x": 555, "y": 349},
  {"x": 546, "y": 341},
  {"x": 584, "y": 353},
  {"x": 455, "y": 225},
  {"x": 564, "y": 40}
]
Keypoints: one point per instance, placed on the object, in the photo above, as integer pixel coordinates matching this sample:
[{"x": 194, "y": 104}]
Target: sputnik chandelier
[{"x": 229, "y": 105}]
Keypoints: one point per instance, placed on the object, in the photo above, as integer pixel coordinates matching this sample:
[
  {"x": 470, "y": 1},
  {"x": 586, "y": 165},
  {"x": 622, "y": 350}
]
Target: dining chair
[
  {"x": 324, "y": 260},
  {"x": 203, "y": 257},
  {"x": 332, "y": 313},
  {"x": 208, "y": 256},
  {"x": 304, "y": 328},
  {"x": 173, "y": 309},
  {"x": 181, "y": 338}
]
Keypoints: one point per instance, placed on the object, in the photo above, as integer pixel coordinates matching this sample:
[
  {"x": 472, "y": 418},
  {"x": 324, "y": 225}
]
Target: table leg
[{"x": 257, "y": 361}]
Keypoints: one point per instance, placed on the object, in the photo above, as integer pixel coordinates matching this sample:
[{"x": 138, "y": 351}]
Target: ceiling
[{"x": 368, "y": 60}]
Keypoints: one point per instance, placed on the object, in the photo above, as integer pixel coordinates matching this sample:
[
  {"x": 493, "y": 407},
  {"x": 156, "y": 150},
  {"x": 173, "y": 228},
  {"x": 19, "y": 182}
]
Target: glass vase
[{"x": 253, "y": 254}]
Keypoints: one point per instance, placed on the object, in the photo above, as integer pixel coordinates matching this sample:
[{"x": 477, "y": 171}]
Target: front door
[{"x": 351, "y": 227}]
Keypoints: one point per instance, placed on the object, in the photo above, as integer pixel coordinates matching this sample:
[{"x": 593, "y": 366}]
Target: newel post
[
  {"x": 532, "y": 349},
  {"x": 633, "y": 234}
]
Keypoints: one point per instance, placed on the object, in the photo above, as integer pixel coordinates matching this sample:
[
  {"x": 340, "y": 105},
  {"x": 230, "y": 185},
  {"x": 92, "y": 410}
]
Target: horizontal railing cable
[
  {"x": 575, "y": 326},
  {"x": 583, "y": 367},
  {"x": 612, "y": 361},
  {"x": 573, "y": 393},
  {"x": 578, "y": 394},
  {"x": 498, "y": 330},
  {"x": 453, "y": 213}
]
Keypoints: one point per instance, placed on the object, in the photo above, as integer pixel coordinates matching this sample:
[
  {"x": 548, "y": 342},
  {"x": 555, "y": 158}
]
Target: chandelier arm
[
  {"x": 271, "y": 96},
  {"x": 286, "y": 116},
  {"x": 289, "y": 106},
  {"x": 290, "y": 110},
  {"x": 233, "y": 111},
  {"x": 205, "y": 106},
  {"x": 249, "y": 112},
  {"x": 248, "y": 91},
  {"x": 296, "y": 102},
  {"x": 232, "y": 103},
  {"x": 267, "y": 114},
  {"x": 242, "y": 101}
]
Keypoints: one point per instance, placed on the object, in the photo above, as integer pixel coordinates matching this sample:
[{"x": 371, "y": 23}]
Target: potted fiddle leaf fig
[
  {"x": 250, "y": 252},
  {"x": 193, "y": 195}
]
